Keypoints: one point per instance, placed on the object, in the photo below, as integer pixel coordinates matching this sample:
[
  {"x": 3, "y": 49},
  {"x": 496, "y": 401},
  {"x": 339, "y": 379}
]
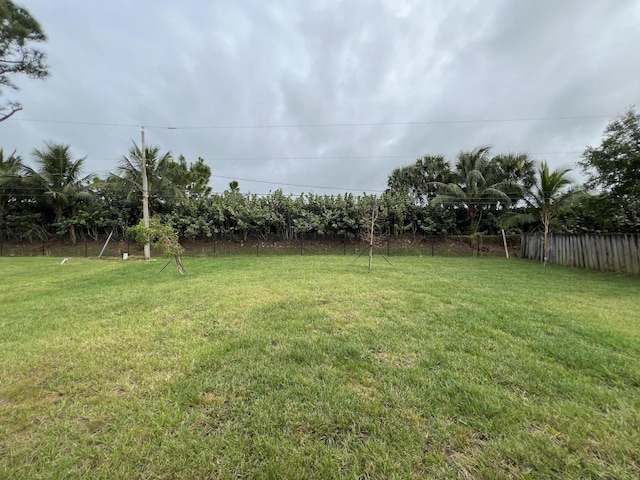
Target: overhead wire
[
  {"x": 351, "y": 157},
  {"x": 295, "y": 184},
  {"x": 329, "y": 157},
  {"x": 314, "y": 125}
]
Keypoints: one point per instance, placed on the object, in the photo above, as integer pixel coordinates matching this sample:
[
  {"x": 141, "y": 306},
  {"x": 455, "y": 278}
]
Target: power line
[
  {"x": 314, "y": 125},
  {"x": 83, "y": 123},
  {"x": 328, "y": 157},
  {"x": 382, "y": 124},
  {"x": 296, "y": 184},
  {"x": 27, "y": 188}
]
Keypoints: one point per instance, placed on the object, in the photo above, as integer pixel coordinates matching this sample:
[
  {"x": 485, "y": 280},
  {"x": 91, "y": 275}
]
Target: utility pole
[
  {"x": 145, "y": 196},
  {"x": 374, "y": 214}
]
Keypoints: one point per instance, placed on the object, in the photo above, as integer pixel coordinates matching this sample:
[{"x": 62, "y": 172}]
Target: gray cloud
[{"x": 217, "y": 64}]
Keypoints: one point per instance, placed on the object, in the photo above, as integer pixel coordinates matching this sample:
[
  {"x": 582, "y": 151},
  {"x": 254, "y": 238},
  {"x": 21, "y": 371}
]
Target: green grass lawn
[{"x": 308, "y": 367}]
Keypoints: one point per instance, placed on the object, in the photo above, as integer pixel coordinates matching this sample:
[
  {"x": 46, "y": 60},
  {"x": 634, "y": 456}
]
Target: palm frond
[{"x": 513, "y": 219}]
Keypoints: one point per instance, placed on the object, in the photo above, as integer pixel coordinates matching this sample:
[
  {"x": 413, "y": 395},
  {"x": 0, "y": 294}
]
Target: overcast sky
[{"x": 327, "y": 93}]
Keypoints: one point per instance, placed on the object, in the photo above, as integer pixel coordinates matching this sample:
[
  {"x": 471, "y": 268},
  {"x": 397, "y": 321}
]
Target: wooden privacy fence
[{"x": 612, "y": 252}]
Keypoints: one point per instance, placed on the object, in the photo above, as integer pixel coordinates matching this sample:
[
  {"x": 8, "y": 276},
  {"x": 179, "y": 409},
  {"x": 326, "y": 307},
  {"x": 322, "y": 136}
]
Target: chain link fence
[{"x": 455, "y": 245}]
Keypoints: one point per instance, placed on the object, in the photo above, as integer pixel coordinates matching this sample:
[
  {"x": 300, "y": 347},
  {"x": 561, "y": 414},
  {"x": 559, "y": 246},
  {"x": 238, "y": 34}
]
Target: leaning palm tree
[
  {"x": 58, "y": 180},
  {"x": 550, "y": 195},
  {"x": 477, "y": 185}
]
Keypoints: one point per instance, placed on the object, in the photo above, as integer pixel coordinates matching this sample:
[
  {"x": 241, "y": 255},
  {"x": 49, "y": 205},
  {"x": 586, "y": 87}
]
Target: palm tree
[
  {"x": 10, "y": 167},
  {"x": 161, "y": 188},
  {"x": 58, "y": 180},
  {"x": 516, "y": 170},
  {"x": 476, "y": 186},
  {"x": 550, "y": 195}
]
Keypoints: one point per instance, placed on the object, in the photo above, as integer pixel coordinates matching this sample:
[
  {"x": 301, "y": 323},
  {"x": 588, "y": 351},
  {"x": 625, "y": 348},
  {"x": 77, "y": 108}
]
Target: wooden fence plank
[
  {"x": 618, "y": 253},
  {"x": 584, "y": 240},
  {"x": 602, "y": 254},
  {"x": 593, "y": 252},
  {"x": 609, "y": 251},
  {"x": 634, "y": 244},
  {"x": 624, "y": 241},
  {"x": 636, "y": 247}
]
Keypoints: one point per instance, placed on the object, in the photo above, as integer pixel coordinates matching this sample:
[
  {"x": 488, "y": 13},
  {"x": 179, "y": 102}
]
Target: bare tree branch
[{"x": 14, "y": 108}]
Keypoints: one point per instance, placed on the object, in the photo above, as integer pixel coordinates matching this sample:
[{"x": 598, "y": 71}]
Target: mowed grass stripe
[{"x": 308, "y": 367}]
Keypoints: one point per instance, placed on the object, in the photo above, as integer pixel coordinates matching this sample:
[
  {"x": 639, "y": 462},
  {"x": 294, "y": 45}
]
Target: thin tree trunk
[
  {"x": 373, "y": 219},
  {"x": 545, "y": 243},
  {"x": 472, "y": 215}
]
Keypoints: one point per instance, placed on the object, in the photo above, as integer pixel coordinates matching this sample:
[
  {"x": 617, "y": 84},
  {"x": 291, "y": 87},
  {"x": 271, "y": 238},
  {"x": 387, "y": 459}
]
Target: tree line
[{"x": 479, "y": 193}]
